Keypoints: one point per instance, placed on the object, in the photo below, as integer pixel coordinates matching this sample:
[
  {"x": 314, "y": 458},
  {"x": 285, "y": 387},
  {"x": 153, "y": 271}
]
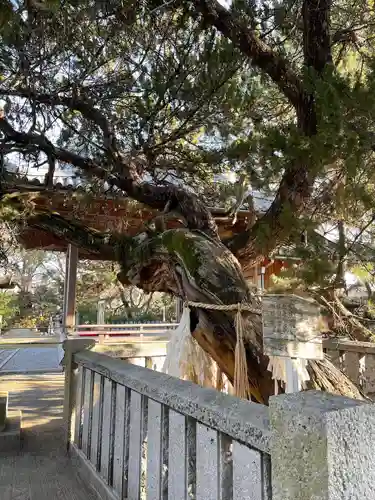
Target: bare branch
[{"x": 81, "y": 104}]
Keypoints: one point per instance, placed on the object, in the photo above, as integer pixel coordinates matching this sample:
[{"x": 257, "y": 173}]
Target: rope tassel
[
  {"x": 187, "y": 360},
  {"x": 241, "y": 380}
]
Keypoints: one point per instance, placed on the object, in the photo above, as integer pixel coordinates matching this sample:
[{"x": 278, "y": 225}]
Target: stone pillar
[
  {"x": 322, "y": 447},
  {"x": 70, "y": 288}
]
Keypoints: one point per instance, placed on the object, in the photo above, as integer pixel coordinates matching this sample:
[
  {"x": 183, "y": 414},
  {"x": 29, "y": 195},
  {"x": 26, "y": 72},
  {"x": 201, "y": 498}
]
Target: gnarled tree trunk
[
  {"x": 195, "y": 266},
  {"x": 201, "y": 269}
]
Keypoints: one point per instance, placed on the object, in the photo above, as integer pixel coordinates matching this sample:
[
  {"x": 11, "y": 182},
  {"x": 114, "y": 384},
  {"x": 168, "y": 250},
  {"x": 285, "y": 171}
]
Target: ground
[
  {"x": 42, "y": 469},
  {"x": 34, "y": 360}
]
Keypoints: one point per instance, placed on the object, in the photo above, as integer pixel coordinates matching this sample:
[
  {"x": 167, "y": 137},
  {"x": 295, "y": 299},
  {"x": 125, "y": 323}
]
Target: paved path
[
  {"x": 42, "y": 470},
  {"x": 29, "y": 359},
  {"x": 20, "y": 333}
]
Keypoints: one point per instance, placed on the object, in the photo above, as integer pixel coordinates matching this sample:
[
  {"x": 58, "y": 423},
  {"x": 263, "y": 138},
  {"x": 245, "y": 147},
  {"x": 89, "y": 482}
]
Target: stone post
[{"x": 322, "y": 447}]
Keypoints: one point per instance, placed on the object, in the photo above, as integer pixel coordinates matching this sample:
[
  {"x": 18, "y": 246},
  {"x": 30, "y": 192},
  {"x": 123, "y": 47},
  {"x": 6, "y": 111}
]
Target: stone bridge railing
[
  {"x": 139, "y": 434},
  {"x": 356, "y": 360}
]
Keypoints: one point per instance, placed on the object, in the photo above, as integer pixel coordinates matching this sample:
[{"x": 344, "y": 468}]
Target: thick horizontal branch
[
  {"x": 201, "y": 270},
  {"x": 101, "y": 245},
  {"x": 170, "y": 197},
  {"x": 26, "y": 213}
]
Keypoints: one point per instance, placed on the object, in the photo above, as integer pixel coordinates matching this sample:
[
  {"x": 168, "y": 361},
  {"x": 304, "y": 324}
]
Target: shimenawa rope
[
  {"x": 241, "y": 379},
  {"x": 224, "y": 307},
  {"x": 276, "y": 365}
]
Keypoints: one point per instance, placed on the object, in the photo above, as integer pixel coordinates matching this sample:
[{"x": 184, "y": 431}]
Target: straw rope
[
  {"x": 241, "y": 379},
  {"x": 276, "y": 365},
  {"x": 224, "y": 307}
]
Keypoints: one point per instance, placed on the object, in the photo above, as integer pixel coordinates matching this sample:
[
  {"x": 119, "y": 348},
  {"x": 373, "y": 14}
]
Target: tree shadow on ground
[{"x": 41, "y": 469}]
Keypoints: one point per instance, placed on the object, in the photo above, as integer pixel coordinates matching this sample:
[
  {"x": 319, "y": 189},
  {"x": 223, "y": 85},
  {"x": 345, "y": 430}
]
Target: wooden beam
[
  {"x": 349, "y": 346},
  {"x": 132, "y": 350}
]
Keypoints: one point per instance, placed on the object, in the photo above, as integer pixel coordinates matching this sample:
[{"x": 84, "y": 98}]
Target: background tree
[
  {"x": 96, "y": 280},
  {"x": 152, "y": 100},
  {"x": 25, "y": 273}
]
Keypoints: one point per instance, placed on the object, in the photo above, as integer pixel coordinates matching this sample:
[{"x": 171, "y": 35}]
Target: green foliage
[
  {"x": 190, "y": 106},
  {"x": 8, "y": 307},
  {"x": 39, "y": 292},
  {"x": 364, "y": 272}
]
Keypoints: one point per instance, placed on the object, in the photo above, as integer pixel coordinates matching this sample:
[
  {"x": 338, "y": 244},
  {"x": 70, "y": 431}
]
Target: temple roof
[
  {"x": 107, "y": 209},
  {"x": 106, "y": 213},
  {"x": 111, "y": 211}
]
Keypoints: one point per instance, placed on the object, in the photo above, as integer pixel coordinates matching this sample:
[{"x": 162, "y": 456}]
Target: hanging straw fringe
[
  {"x": 185, "y": 358},
  {"x": 241, "y": 380}
]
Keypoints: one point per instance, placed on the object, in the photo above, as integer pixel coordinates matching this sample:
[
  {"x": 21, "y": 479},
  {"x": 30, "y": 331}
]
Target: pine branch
[
  {"x": 274, "y": 228},
  {"x": 261, "y": 55},
  {"x": 192, "y": 209}
]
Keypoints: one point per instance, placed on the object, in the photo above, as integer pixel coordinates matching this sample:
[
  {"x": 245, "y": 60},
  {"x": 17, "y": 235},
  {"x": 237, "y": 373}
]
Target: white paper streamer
[{"x": 277, "y": 365}]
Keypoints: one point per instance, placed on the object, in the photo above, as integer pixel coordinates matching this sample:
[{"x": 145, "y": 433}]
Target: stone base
[{"x": 10, "y": 438}]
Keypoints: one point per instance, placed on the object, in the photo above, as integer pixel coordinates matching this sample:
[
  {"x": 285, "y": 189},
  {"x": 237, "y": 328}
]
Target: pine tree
[{"x": 154, "y": 100}]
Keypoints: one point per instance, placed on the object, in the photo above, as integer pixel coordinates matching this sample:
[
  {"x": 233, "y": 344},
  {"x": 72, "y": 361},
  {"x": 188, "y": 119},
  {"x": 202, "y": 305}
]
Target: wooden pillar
[
  {"x": 100, "y": 316},
  {"x": 256, "y": 276},
  {"x": 64, "y": 297},
  {"x": 70, "y": 288}
]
